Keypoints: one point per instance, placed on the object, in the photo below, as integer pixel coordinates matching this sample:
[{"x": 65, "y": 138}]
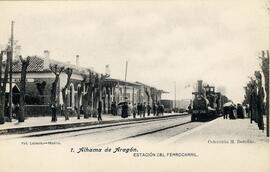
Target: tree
[
  {"x": 100, "y": 88},
  {"x": 265, "y": 70},
  {"x": 147, "y": 94},
  {"x": 96, "y": 89},
  {"x": 153, "y": 94},
  {"x": 3, "y": 82},
  {"x": 84, "y": 98},
  {"x": 57, "y": 70},
  {"x": 260, "y": 99},
  {"x": 253, "y": 100},
  {"x": 88, "y": 83},
  {"x": 68, "y": 71},
  {"x": 25, "y": 64}
]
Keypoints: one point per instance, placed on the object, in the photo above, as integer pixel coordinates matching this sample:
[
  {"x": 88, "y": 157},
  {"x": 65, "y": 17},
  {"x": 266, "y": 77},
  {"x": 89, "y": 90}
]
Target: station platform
[
  {"x": 32, "y": 124},
  {"x": 224, "y": 131}
]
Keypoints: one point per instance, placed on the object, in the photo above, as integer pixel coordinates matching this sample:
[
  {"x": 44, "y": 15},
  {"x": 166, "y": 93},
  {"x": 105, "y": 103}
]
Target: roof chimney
[
  {"x": 107, "y": 70},
  {"x": 77, "y": 61},
  {"x": 46, "y": 58}
]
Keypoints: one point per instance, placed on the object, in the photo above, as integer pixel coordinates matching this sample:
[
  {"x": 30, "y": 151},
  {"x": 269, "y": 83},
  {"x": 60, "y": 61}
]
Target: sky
[{"x": 164, "y": 42}]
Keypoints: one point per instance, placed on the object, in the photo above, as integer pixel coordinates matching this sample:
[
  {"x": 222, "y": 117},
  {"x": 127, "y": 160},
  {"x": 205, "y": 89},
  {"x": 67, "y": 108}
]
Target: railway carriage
[{"x": 168, "y": 105}]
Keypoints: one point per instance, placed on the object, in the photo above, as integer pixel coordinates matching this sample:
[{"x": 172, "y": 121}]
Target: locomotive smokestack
[
  {"x": 77, "y": 61},
  {"x": 200, "y": 86},
  {"x": 46, "y": 58}
]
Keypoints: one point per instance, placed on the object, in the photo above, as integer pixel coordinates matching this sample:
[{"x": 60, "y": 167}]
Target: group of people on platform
[
  {"x": 233, "y": 111},
  {"x": 124, "y": 109},
  {"x": 141, "y": 109},
  {"x": 255, "y": 105}
]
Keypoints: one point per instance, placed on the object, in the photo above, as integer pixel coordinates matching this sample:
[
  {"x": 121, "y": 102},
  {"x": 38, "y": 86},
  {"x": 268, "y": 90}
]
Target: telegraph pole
[
  {"x": 10, "y": 70},
  {"x": 175, "y": 94},
  {"x": 125, "y": 88}
]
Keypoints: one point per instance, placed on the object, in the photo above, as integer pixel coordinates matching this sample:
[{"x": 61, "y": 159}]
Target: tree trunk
[
  {"x": 64, "y": 96},
  {"x": 2, "y": 94},
  {"x": 68, "y": 71},
  {"x": 266, "y": 76},
  {"x": 85, "y": 104},
  {"x": 2, "y": 108},
  {"x": 3, "y": 90},
  {"x": 109, "y": 100},
  {"x": 53, "y": 106},
  {"x": 57, "y": 71},
  {"x": 25, "y": 64},
  {"x": 22, "y": 92}
]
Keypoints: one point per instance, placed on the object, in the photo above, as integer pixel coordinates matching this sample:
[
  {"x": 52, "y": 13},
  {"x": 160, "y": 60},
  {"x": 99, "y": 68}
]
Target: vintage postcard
[{"x": 140, "y": 85}]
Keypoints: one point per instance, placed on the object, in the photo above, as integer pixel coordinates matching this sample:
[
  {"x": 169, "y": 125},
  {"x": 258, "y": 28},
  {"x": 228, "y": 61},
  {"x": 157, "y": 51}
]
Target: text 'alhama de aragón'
[{"x": 108, "y": 149}]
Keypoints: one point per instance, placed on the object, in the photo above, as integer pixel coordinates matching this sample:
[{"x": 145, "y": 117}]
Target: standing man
[
  {"x": 225, "y": 112},
  {"x": 189, "y": 109},
  {"x": 148, "y": 110},
  {"x": 154, "y": 109},
  {"x": 144, "y": 109},
  {"x": 53, "y": 108},
  {"x": 240, "y": 111},
  {"x": 99, "y": 110},
  {"x": 162, "y": 109},
  {"x": 139, "y": 109},
  {"x": 134, "y": 110},
  {"x": 113, "y": 108},
  {"x": 125, "y": 110},
  {"x": 158, "y": 109}
]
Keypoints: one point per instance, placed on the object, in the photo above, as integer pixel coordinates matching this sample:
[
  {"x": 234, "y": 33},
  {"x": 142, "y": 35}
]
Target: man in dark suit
[
  {"x": 144, "y": 109},
  {"x": 99, "y": 110}
]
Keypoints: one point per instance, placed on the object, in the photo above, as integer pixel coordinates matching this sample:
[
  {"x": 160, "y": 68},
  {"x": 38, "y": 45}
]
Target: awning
[{"x": 228, "y": 104}]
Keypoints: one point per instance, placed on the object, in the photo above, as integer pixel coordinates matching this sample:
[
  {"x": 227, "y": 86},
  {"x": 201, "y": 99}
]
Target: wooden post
[
  {"x": 10, "y": 71},
  {"x": 265, "y": 69},
  {"x": 125, "y": 88}
]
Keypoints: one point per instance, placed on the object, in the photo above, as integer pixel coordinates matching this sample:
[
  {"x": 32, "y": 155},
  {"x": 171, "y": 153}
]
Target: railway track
[
  {"x": 78, "y": 129},
  {"x": 146, "y": 133}
]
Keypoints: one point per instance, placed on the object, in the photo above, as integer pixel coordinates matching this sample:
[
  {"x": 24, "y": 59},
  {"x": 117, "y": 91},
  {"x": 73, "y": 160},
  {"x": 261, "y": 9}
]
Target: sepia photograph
[{"x": 134, "y": 86}]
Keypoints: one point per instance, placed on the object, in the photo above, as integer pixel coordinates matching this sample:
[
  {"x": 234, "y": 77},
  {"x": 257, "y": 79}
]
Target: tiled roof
[
  {"x": 162, "y": 91},
  {"x": 36, "y": 65},
  {"x": 121, "y": 82}
]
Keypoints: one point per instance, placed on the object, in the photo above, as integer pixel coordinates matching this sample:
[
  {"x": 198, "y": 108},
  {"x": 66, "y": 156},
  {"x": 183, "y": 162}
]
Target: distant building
[
  {"x": 132, "y": 92},
  {"x": 149, "y": 94},
  {"x": 183, "y": 103}
]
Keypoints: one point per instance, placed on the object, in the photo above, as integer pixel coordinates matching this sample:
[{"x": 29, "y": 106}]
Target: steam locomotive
[{"x": 206, "y": 103}]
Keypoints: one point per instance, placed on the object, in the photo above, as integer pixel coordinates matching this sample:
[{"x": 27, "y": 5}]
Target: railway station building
[{"x": 39, "y": 80}]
